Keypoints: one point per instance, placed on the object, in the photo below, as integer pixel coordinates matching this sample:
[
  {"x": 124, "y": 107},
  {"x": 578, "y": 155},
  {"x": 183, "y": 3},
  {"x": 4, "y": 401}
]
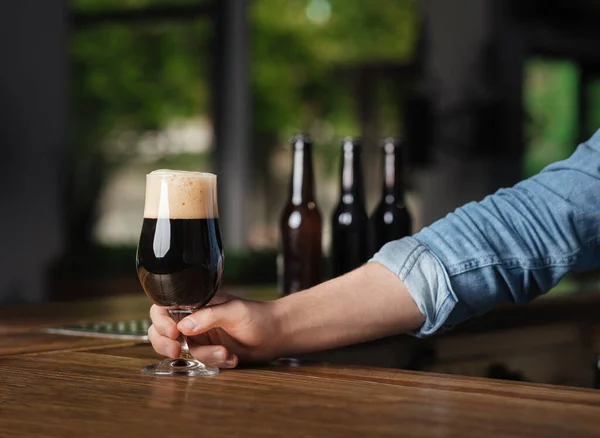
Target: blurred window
[{"x": 140, "y": 100}]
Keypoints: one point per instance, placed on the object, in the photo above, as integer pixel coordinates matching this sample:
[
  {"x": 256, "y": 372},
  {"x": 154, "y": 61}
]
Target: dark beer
[
  {"x": 391, "y": 219},
  {"x": 180, "y": 254},
  {"x": 180, "y": 261},
  {"x": 300, "y": 259},
  {"x": 349, "y": 228}
]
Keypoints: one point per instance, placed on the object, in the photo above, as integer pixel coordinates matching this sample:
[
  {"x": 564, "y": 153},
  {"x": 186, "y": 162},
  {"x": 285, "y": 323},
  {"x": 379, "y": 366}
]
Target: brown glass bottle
[
  {"x": 349, "y": 227},
  {"x": 391, "y": 219},
  {"x": 300, "y": 259}
]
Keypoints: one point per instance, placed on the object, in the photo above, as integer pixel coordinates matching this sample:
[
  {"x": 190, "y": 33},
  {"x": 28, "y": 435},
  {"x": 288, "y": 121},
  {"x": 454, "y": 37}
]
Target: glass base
[{"x": 179, "y": 367}]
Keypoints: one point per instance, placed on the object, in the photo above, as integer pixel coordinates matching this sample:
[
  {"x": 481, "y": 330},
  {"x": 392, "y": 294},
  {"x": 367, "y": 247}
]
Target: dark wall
[
  {"x": 474, "y": 72},
  {"x": 33, "y": 124}
]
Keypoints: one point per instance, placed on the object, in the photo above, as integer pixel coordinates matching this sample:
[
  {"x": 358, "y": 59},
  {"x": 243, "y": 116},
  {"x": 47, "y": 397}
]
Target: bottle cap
[
  {"x": 351, "y": 143},
  {"x": 300, "y": 139},
  {"x": 391, "y": 144}
]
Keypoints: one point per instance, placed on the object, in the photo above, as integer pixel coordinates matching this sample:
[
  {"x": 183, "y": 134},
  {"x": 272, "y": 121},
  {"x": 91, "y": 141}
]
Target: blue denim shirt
[{"x": 513, "y": 246}]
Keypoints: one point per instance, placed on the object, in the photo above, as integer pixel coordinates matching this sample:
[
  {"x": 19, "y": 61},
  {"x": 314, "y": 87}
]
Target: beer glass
[{"x": 180, "y": 255}]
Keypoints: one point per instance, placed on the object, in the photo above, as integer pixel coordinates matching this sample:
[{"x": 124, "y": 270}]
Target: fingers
[
  {"x": 163, "y": 323},
  {"x": 215, "y": 355},
  {"x": 211, "y": 317},
  {"x": 162, "y": 344}
]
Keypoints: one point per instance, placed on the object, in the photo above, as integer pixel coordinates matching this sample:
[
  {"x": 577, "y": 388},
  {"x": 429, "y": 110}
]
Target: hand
[
  {"x": 228, "y": 331},
  {"x": 330, "y": 315}
]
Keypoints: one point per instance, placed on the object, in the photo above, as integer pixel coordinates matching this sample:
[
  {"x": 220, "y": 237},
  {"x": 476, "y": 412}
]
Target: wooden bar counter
[{"x": 62, "y": 386}]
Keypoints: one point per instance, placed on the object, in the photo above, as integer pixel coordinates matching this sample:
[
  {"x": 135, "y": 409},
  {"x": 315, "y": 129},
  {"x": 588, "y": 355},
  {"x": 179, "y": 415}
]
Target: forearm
[
  {"x": 368, "y": 303},
  {"x": 513, "y": 246}
]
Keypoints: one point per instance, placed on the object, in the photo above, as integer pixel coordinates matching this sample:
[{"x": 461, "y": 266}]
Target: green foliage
[
  {"x": 300, "y": 68},
  {"x": 594, "y": 116},
  {"x": 551, "y": 106},
  {"x": 126, "y": 79},
  {"x": 140, "y": 77},
  {"x": 134, "y": 78},
  {"x": 302, "y": 71}
]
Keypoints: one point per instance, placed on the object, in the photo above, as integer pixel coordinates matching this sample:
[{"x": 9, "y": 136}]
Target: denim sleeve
[{"x": 511, "y": 247}]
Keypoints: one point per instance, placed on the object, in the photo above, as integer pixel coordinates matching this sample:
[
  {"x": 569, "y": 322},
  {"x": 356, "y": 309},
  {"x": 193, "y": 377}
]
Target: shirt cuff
[{"x": 426, "y": 280}]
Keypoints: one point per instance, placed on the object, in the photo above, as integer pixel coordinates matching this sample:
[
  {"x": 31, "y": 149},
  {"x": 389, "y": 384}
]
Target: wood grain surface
[
  {"x": 31, "y": 343},
  {"x": 62, "y": 386},
  {"x": 102, "y": 393}
]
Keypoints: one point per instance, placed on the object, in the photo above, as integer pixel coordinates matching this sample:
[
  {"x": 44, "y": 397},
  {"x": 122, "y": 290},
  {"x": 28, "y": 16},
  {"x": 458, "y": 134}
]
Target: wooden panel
[
  {"x": 566, "y": 365},
  {"x": 103, "y": 394},
  {"x": 557, "y": 354},
  {"x": 547, "y": 309},
  {"x": 33, "y": 343},
  {"x": 31, "y": 318},
  {"x": 506, "y": 341}
]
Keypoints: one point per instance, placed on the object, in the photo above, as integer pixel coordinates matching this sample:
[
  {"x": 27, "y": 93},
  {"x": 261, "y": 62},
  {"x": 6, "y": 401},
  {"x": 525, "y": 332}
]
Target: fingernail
[
  {"x": 218, "y": 355},
  {"x": 187, "y": 324},
  {"x": 230, "y": 362}
]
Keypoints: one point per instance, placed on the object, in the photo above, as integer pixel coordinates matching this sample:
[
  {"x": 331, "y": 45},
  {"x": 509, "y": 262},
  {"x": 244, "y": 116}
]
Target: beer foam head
[{"x": 178, "y": 194}]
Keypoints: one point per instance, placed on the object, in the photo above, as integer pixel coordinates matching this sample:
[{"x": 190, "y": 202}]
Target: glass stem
[{"x": 177, "y": 315}]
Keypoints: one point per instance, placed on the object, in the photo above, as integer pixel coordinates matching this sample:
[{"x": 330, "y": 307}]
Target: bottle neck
[
  {"x": 352, "y": 189},
  {"x": 302, "y": 183},
  {"x": 393, "y": 177}
]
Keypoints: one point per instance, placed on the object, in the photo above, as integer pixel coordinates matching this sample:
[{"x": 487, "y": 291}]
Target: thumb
[{"x": 210, "y": 317}]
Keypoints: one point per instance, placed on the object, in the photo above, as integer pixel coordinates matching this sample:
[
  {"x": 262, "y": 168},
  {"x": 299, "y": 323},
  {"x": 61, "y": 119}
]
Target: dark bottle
[
  {"x": 349, "y": 227},
  {"x": 391, "y": 219},
  {"x": 300, "y": 259}
]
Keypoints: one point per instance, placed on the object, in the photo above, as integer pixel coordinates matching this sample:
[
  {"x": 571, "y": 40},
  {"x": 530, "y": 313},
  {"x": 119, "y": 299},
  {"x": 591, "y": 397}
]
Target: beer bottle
[
  {"x": 300, "y": 259},
  {"x": 349, "y": 227},
  {"x": 391, "y": 219}
]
